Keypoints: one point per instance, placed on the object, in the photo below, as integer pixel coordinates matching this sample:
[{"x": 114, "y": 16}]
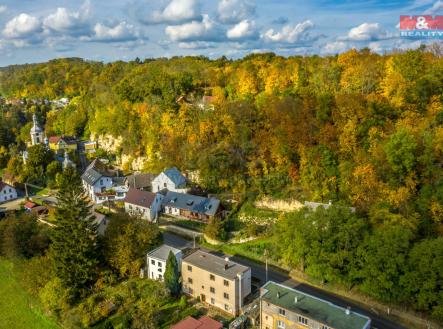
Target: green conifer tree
[
  {"x": 74, "y": 249},
  {"x": 172, "y": 275}
]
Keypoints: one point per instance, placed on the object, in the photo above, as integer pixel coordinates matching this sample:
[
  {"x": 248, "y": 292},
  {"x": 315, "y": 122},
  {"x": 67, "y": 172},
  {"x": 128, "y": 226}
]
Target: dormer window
[{"x": 189, "y": 202}]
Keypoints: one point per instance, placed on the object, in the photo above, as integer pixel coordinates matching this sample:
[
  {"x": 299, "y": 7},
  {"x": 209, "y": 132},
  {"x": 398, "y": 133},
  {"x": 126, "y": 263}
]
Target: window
[
  {"x": 159, "y": 264},
  {"x": 303, "y": 320},
  {"x": 164, "y": 184},
  {"x": 212, "y": 289},
  {"x": 101, "y": 181},
  {"x": 212, "y": 301},
  {"x": 160, "y": 276},
  {"x": 159, "y": 270},
  {"x": 226, "y": 283},
  {"x": 211, "y": 277},
  {"x": 280, "y": 324},
  {"x": 152, "y": 262},
  {"x": 189, "y": 268},
  {"x": 226, "y": 295},
  {"x": 282, "y": 311},
  {"x": 226, "y": 307},
  {"x": 190, "y": 280}
]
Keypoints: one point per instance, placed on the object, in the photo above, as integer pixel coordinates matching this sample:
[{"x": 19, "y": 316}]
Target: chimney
[
  {"x": 278, "y": 294},
  {"x": 226, "y": 259},
  {"x": 226, "y": 266},
  {"x": 348, "y": 310},
  {"x": 295, "y": 299}
]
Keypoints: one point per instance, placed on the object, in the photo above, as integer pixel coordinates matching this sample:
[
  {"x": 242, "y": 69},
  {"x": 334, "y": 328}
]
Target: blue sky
[{"x": 36, "y": 31}]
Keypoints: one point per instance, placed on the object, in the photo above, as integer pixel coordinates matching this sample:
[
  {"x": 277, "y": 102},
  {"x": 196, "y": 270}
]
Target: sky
[{"x": 108, "y": 30}]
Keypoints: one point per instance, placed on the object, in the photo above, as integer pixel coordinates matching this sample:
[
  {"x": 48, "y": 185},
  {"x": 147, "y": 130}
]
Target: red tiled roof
[
  {"x": 204, "y": 322},
  {"x": 54, "y": 139},
  {"x": 29, "y": 205}
]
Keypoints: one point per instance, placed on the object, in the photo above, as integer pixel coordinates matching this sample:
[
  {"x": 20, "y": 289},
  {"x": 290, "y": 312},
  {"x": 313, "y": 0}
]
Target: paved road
[{"x": 259, "y": 272}]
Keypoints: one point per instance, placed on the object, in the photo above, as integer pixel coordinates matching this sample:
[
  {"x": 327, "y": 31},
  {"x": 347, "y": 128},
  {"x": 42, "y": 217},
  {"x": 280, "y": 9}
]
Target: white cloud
[
  {"x": 113, "y": 33},
  {"x": 298, "y": 33},
  {"x": 335, "y": 47},
  {"x": 196, "y": 45},
  {"x": 367, "y": 32},
  {"x": 206, "y": 30},
  {"x": 65, "y": 21},
  {"x": 22, "y": 26},
  {"x": 176, "y": 12},
  {"x": 235, "y": 11},
  {"x": 3, "y": 9},
  {"x": 244, "y": 30},
  {"x": 436, "y": 8}
]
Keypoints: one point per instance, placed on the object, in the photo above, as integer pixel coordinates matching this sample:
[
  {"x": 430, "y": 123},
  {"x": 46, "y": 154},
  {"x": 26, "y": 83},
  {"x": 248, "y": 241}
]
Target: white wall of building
[
  {"x": 8, "y": 193},
  {"x": 157, "y": 267},
  {"x": 163, "y": 182}
]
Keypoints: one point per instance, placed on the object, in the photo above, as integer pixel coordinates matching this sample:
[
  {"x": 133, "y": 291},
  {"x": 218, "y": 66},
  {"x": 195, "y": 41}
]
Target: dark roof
[
  {"x": 215, "y": 264},
  {"x": 175, "y": 176},
  {"x": 162, "y": 252},
  {"x": 95, "y": 171},
  {"x": 204, "y": 322},
  {"x": 198, "y": 204},
  {"x": 3, "y": 185},
  {"x": 139, "y": 197},
  {"x": 139, "y": 181},
  {"x": 313, "y": 307}
]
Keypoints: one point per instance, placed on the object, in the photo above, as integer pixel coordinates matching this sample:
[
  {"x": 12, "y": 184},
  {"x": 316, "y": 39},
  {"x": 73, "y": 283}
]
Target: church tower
[{"x": 36, "y": 132}]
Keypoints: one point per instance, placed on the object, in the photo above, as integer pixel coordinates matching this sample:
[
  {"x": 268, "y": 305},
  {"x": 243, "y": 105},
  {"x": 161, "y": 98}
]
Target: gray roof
[
  {"x": 312, "y": 307},
  {"x": 139, "y": 197},
  {"x": 175, "y": 176},
  {"x": 198, "y": 204},
  {"x": 139, "y": 181},
  {"x": 162, "y": 252},
  {"x": 95, "y": 171},
  {"x": 215, "y": 264}
]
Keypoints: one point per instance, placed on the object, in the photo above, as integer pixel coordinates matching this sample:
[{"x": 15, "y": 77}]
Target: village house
[
  {"x": 171, "y": 179},
  {"x": 103, "y": 184},
  {"x": 217, "y": 281},
  {"x": 191, "y": 206},
  {"x": 7, "y": 192},
  {"x": 62, "y": 143},
  {"x": 140, "y": 181},
  {"x": 157, "y": 258},
  {"x": 143, "y": 204},
  {"x": 203, "y": 322},
  {"x": 283, "y": 308}
]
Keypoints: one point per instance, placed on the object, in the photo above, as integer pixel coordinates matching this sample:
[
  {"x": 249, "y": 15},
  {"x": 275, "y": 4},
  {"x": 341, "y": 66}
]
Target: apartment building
[
  {"x": 217, "y": 281},
  {"x": 282, "y": 307}
]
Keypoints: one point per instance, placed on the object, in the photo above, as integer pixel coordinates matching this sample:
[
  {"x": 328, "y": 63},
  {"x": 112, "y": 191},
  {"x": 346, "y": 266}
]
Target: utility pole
[{"x": 26, "y": 191}]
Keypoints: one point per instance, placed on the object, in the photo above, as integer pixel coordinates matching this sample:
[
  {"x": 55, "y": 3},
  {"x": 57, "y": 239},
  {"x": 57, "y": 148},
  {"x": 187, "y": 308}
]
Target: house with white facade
[
  {"x": 7, "y": 192},
  {"x": 157, "y": 258},
  {"x": 191, "y": 206},
  {"x": 171, "y": 179},
  {"x": 144, "y": 204},
  {"x": 103, "y": 184}
]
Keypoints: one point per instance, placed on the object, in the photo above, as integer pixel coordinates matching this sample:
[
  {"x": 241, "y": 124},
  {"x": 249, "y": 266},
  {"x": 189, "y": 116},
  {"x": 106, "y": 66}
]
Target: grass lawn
[{"x": 17, "y": 308}]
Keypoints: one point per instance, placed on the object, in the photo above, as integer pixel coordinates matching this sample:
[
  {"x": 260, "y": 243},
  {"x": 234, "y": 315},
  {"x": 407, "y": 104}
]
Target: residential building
[
  {"x": 103, "y": 184},
  {"x": 217, "y": 281},
  {"x": 191, "y": 206},
  {"x": 171, "y": 179},
  {"x": 144, "y": 204},
  {"x": 203, "y": 322},
  {"x": 89, "y": 146},
  {"x": 287, "y": 308},
  {"x": 140, "y": 181},
  {"x": 7, "y": 192},
  {"x": 62, "y": 143},
  {"x": 157, "y": 258},
  {"x": 37, "y": 135}
]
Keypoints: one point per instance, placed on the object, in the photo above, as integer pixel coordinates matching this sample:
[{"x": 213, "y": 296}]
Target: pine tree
[
  {"x": 74, "y": 249},
  {"x": 172, "y": 275}
]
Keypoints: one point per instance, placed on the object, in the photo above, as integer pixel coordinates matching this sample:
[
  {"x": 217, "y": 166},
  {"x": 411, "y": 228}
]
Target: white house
[
  {"x": 143, "y": 203},
  {"x": 171, "y": 179},
  {"x": 7, "y": 192},
  {"x": 157, "y": 258},
  {"x": 102, "y": 184}
]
